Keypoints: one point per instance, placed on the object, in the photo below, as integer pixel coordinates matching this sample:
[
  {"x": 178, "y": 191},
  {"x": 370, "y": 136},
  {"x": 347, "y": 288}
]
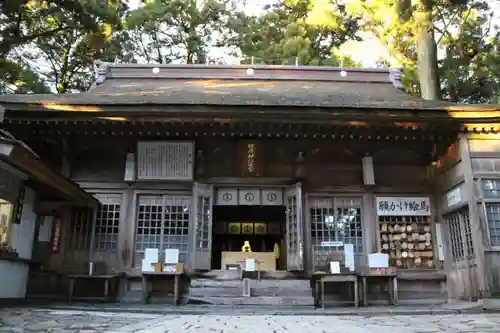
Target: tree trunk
[{"x": 427, "y": 53}]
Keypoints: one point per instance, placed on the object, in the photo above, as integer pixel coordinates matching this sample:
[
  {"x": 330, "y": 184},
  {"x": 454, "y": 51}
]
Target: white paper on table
[
  {"x": 151, "y": 255},
  {"x": 171, "y": 268},
  {"x": 378, "y": 260},
  {"x": 171, "y": 256},
  {"x": 334, "y": 267},
  {"x": 250, "y": 265},
  {"x": 349, "y": 256},
  {"x": 146, "y": 266}
]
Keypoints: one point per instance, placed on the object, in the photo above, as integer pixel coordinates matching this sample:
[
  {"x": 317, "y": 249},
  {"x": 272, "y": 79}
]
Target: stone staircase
[{"x": 275, "y": 289}]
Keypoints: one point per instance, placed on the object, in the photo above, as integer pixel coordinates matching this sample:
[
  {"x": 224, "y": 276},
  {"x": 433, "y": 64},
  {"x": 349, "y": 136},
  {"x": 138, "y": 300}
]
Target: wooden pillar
[
  {"x": 308, "y": 251},
  {"x": 370, "y": 225},
  {"x": 475, "y": 222},
  {"x": 126, "y": 238}
]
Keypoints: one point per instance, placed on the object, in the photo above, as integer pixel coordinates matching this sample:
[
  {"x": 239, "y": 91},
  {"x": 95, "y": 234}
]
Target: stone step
[
  {"x": 235, "y": 275},
  {"x": 132, "y": 296},
  {"x": 206, "y": 283},
  {"x": 216, "y": 292},
  {"x": 285, "y": 284},
  {"x": 234, "y": 288},
  {"x": 278, "y": 291},
  {"x": 257, "y": 300}
]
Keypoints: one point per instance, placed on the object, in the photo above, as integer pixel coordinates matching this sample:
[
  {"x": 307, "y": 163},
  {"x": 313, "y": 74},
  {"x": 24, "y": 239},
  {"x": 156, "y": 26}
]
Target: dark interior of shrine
[{"x": 261, "y": 226}]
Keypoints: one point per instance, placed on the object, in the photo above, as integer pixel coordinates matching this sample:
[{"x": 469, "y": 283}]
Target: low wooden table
[
  {"x": 320, "y": 279},
  {"x": 390, "y": 279},
  {"x": 147, "y": 284},
  {"x": 110, "y": 286}
]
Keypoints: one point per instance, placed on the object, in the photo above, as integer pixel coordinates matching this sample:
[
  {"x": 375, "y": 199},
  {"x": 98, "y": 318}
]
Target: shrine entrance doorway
[{"x": 256, "y": 229}]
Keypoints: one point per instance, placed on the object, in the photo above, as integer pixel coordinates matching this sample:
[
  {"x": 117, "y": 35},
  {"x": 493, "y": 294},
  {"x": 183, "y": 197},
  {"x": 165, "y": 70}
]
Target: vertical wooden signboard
[{"x": 251, "y": 157}]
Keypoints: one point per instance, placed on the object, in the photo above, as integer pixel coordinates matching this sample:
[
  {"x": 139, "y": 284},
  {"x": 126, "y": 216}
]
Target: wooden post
[
  {"x": 92, "y": 238},
  {"x": 474, "y": 215}
]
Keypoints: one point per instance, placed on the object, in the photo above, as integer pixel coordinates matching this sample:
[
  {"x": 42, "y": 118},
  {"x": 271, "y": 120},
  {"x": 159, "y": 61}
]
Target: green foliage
[
  {"x": 166, "y": 30},
  {"x": 304, "y": 32},
  {"x": 468, "y": 55},
  {"x": 19, "y": 79},
  {"x": 470, "y": 69},
  {"x": 24, "y": 21},
  {"x": 54, "y": 42}
]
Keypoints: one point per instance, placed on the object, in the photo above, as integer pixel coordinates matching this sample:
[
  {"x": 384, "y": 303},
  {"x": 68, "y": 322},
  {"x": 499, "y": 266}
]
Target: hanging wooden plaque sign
[
  {"x": 18, "y": 207},
  {"x": 56, "y": 235},
  {"x": 251, "y": 157},
  {"x": 234, "y": 228},
  {"x": 247, "y": 228},
  {"x": 260, "y": 228}
]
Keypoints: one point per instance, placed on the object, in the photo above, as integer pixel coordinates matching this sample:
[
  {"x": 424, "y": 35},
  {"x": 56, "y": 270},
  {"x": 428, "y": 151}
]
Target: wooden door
[{"x": 294, "y": 243}]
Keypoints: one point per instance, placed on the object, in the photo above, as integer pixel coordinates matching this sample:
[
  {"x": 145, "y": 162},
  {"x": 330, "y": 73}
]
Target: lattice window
[
  {"x": 493, "y": 219},
  {"x": 163, "y": 223},
  {"x": 176, "y": 223},
  {"x": 107, "y": 222},
  {"x": 203, "y": 222},
  {"x": 336, "y": 220},
  {"x": 80, "y": 232},
  {"x": 464, "y": 216},
  {"x": 486, "y": 164},
  {"x": 490, "y": 188},
  {"x": 149, "y": 222},
  {"x": 292, "y": 224},
  {"x": 455, "y": 241}
]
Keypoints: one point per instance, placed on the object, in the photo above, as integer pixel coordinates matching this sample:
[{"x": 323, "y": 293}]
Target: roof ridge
[{"x": 106, "y": 70}]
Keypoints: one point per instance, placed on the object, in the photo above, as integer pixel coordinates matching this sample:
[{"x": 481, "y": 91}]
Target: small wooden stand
[
  {"x": 111, "y": 283},
  {"x": 386, "y": 276},
  {"x": 147, "y": 284},
  {"x": 320, "y": 279}
]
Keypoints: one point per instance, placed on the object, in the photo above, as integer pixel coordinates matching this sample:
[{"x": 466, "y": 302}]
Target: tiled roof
[{"x": 241, "y": 86}]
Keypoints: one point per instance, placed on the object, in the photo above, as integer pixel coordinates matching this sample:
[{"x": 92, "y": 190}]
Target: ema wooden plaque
[{"x": 251, "y": 157}]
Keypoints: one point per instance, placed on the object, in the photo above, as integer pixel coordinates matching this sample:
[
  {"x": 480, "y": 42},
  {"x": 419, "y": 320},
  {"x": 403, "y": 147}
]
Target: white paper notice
[
  {"x": 334, "y": 267},
  {"x": 250, "y": 265},
  {"x": 349, "y": 256},
  {"x": 171, "y": 256},
  {"x": 147, "y": 266},
  {"x": 151, "y": 255},
  {"x": 378, "y": 260},
  {"x": 439, "y": 241}
]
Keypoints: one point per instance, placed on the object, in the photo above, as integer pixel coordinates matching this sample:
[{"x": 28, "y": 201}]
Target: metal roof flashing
[{"x": 106, "y": 71}]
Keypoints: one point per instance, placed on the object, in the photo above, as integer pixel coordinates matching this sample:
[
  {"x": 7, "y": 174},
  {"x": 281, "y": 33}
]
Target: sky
[{"x": 366, "y": 52}]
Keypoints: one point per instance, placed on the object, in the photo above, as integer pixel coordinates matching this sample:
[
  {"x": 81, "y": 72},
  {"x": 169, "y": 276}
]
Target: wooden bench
[
  {"x": 111, "y": 285},
  {"x": 320, "y": 279},
  {"x": 390, "y": 279},
  {"x": 147, "y": 284}
]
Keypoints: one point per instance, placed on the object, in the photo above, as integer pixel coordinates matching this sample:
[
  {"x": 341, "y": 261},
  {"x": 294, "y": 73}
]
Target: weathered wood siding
[
  {"x": 454, "y": 217},
  {"x": 485, "y": 164},
  {"x": 332, "y": 168}
]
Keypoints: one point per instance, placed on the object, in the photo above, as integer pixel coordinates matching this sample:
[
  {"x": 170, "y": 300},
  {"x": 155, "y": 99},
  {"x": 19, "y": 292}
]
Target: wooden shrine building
[{"x": 304, "y": 159}]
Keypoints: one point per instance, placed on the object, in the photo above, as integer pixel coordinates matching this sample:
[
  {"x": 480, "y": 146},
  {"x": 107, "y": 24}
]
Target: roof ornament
[
  {"x": 343, "y": 73},
  {"x": 102, "y": 69},
  {"x": 396, "y": 77}
]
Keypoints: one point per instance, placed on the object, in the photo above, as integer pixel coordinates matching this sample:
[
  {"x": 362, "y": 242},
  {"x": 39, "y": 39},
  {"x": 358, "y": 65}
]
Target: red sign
[{"x": 56, "y": 235}]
